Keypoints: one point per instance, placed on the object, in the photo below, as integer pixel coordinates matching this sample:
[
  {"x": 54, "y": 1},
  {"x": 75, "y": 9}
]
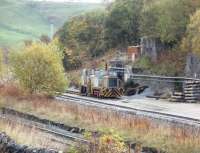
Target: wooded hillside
[{"x": 124, "y": 22}]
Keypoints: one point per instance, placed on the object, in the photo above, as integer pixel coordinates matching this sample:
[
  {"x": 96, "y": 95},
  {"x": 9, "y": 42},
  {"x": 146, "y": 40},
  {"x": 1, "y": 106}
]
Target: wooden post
[
  {"x": 138, "y": 148},
  {"x": 129, "y": 148}
]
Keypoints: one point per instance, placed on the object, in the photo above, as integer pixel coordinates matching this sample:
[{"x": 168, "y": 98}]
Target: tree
[
  {"x": 122, "y": 23},
  {"x": 84, "y": 33},
  {"x": 167, "y": 19},
  {"x": 45, "y": 39},
  {"x": 191, "y": 43},
  {"x": 39, "y": 69},
  {"x": 1, "y": 61},
  {"x": 28, "y": 42}
]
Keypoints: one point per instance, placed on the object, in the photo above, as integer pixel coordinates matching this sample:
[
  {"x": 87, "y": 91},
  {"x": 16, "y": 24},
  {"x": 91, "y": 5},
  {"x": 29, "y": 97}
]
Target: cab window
[{"x": 112, "y": 82}]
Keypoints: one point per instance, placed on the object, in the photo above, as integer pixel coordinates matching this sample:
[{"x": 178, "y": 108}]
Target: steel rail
[
  {"x": 2, "y": 116},
  {"x": 130, "y": 110},
  {"x": 46, "y": 129}
]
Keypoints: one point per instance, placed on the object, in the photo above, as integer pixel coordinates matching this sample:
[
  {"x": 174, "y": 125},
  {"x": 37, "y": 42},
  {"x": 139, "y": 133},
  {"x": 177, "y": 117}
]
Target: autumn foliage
[
  {"x": 109, "y": 142},
  {"x": 39, "y": 69}
]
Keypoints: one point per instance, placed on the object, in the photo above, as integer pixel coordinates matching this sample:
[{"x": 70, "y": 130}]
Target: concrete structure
[
  {"x": 151, "y": 47},
  {"x": 192, "y": 68}
]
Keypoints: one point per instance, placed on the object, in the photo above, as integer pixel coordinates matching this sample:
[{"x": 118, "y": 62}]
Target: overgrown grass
[
  {"x": 170, "y": 138},
  {"x": 29, "y": 136}
]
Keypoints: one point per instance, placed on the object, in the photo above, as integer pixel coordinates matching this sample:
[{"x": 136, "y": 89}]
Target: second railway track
[
  {"x": 68, "y": 137},
  {"x": 129, "y": 110}
]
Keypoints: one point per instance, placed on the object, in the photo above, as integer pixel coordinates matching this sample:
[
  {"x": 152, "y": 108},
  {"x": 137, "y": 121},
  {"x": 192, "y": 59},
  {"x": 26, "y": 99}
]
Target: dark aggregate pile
[{"x": 7, "y": 145}]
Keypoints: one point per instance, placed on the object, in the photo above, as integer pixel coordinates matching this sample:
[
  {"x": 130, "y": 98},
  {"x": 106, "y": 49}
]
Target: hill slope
[{"x": 23, "y": 19}]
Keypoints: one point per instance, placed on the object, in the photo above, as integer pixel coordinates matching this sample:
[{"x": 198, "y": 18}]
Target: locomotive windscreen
[{"x": 112, "y": 82}]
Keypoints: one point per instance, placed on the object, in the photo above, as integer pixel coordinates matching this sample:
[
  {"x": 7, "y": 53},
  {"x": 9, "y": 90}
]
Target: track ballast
[{"x": 129, "y": 110}]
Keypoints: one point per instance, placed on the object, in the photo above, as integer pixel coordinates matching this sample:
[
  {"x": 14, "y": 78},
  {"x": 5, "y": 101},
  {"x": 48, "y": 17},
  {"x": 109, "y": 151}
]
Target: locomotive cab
[{"x": 111, "y": 82}]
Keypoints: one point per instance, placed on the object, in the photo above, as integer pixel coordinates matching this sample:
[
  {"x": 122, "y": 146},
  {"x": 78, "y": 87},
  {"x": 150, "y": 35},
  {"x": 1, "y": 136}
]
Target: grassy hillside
[{"x": 23, "y": 19}]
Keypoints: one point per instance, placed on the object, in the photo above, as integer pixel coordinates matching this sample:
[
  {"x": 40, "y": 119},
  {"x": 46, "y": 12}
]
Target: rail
[
  {"x": 45, "y": 128},
  {"x": 130, "y": 110}
]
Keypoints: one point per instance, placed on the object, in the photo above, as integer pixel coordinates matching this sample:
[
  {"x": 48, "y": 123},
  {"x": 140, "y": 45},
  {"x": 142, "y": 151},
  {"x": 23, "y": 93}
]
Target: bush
[
  {"x": 39, "y": 69},
  {"x": 71, "y": 62},
  {"x": 1, "y": 61},
  {"x": 109, "y": 142},
  {"x": 144, "y": 63}
]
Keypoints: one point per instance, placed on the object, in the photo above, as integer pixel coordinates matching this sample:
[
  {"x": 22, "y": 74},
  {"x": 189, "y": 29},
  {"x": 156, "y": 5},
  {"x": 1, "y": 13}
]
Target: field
[{"x": 21, "y": 19}]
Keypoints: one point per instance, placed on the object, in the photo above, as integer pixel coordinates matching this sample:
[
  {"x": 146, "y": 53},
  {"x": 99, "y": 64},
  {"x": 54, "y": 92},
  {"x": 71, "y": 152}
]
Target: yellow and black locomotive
[{"x": 106, "y": 83}]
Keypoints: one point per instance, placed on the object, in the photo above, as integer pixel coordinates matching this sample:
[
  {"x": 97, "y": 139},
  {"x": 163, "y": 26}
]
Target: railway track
[
  {"x": 68, "y": 138},
  {"x": 14, "y": 117},
  {"x": 129, "y": 110}
]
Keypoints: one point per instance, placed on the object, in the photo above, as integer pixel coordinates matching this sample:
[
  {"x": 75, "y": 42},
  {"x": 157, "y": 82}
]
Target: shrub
[
  {"x": 109, "y": 142},
  {"x": 39, "y": 69},
  {"x": 144, "y": 62},
  {"x": 1, "y": 61},
  {"x": 11, "y": 89}
]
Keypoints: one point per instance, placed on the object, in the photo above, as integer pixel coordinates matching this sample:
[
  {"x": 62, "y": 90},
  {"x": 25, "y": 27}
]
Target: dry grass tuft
[
  {"x": 11, "y": 90},
  {"x": 14, "y": 90},
  {"x": 29, "y": 136}
]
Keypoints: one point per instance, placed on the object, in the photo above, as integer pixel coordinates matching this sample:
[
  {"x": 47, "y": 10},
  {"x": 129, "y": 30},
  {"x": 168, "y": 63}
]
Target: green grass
[{"x": 23, "y": 19}]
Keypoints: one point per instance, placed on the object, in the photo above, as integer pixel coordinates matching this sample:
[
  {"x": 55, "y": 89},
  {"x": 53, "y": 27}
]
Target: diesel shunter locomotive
[{"x": 106, "y": 83}]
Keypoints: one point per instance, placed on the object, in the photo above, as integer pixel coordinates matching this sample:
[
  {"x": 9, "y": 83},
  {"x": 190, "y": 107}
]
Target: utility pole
[{"x": 51, "y": 31}]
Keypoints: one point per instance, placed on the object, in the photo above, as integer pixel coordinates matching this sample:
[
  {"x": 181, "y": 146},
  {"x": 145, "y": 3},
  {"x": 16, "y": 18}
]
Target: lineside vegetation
[
  {"x": 143, "y": 131},
  {"x": 1, "y": 62},
  {"x": 39, "y": 69}
]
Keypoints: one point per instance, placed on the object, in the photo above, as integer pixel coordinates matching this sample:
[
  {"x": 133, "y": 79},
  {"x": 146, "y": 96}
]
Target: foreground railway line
[
  {"x": 61, "y": 136},
  {"x": 173, "y": 118},
  {"x": 21, "y": 118}
]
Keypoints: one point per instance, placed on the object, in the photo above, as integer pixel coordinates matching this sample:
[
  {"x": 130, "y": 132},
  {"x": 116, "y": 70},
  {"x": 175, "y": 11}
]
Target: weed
[{"x": 29, "y": 136}]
